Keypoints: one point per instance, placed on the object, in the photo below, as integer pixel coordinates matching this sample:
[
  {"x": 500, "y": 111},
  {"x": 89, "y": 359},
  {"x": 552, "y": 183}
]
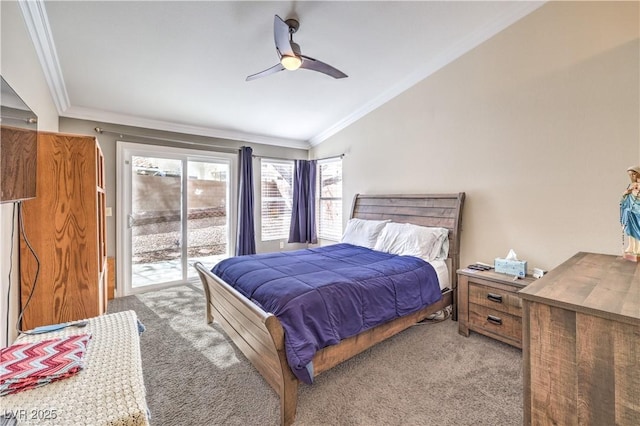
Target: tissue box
[{"x": 517, "y": 268}]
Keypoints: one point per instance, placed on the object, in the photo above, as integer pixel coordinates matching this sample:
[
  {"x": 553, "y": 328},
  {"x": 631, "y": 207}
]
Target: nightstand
[{"x": 488, "y": 304}]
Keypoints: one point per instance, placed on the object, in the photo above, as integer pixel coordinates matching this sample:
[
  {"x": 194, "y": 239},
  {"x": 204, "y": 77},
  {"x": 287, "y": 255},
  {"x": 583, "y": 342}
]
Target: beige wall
[
  {"x": 19, "y": 66},
  {"x": 537, "y": 125}
]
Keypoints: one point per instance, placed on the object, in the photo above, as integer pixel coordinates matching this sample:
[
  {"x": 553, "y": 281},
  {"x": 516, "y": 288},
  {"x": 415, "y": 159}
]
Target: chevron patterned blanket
[
  {"x": 108, "y": 391},
  {"x": 29, "y": 365}
]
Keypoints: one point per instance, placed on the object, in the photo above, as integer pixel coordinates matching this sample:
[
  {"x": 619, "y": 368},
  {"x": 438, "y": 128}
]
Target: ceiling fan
[{"x": 290, "y": 55}]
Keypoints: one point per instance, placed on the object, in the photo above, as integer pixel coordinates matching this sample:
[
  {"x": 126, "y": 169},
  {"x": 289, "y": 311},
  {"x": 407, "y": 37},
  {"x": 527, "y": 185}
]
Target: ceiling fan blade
[
  {"x": 274, "y": 69},
  {"x": 281, "y": 37},
  {"x": 315, "y": 65}
]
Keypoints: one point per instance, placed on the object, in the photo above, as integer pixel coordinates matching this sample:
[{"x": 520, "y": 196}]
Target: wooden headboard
[{"x": 442, "y": 210}]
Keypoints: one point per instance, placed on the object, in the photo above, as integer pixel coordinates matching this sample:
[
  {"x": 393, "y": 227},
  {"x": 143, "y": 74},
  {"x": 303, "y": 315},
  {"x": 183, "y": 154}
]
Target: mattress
[
  {"x": 108, "y": 391},
  {"x": 443, "y": 273}
]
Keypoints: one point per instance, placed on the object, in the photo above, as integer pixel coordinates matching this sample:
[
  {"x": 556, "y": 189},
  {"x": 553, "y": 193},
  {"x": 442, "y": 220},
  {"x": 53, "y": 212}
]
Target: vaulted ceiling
[{"x": 181, "y": 65}]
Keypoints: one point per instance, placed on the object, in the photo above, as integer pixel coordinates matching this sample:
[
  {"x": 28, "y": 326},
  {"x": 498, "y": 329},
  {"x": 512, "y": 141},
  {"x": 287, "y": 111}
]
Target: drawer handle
[
  {"x": 494, "y": 320},
  {"x": 494, "y": 297}
]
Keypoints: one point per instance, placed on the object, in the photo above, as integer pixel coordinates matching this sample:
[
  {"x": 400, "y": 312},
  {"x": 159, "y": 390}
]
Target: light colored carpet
[{"x": 426, "y": 375}]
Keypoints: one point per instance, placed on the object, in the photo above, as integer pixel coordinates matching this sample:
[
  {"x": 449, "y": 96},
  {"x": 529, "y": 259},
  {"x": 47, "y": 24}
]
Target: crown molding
[
  {"x": 91, "y": 114},
  {"x": 35, "y": 18},
  {"x": 454, "y": 52}
]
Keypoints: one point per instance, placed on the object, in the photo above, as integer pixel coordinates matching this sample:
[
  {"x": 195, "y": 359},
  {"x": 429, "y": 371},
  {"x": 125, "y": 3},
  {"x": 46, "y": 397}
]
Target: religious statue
[{"x": 630, "y": 214}]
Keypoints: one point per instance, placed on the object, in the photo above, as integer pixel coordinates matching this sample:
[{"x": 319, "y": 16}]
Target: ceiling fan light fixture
[
  {"x": 291, "y": 57},
  {"x": 291, "y": 63}
]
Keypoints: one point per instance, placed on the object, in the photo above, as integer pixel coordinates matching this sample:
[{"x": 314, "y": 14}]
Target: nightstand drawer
[
  {"x": 495, "y": 298},
  {"x": 497, "y": 322},
  {"x": 489, "y": 303}
]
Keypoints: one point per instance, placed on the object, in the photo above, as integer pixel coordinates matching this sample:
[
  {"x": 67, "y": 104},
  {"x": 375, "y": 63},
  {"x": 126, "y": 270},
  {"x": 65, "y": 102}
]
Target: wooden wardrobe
[{"x": 65, "y": 226}]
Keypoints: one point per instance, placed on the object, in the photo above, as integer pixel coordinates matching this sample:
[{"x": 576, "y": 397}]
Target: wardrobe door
[{"x": 63, "y": 227}]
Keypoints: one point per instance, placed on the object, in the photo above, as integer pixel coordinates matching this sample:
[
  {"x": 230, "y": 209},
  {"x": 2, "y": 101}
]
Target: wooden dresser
[
  {"x": 65, "y": 225},
  {"x": 488, "y": 303},
  {"x": 581, "y": 343}
]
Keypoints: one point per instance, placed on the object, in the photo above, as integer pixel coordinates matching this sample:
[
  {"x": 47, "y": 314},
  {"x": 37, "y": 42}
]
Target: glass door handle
[{"x": 130, "y": 221}]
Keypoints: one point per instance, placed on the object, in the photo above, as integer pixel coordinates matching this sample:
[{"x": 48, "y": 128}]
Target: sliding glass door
[
  {"x": 174, "y": 211},
  {"x": 208, "y": 237},
  {"x": 155, "y": 220}
]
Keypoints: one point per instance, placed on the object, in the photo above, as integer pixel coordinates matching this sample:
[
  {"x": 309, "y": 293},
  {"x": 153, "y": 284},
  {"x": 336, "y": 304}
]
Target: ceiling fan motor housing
[{"x": 293, "y": 25}]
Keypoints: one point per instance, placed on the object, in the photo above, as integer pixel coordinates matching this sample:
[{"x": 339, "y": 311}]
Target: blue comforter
[{"x": 326, "y": 294}]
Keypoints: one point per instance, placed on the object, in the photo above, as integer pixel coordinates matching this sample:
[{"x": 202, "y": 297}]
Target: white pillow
[
  {"x": 428, "y": 243},
  {"x": 361, "y": 232}
]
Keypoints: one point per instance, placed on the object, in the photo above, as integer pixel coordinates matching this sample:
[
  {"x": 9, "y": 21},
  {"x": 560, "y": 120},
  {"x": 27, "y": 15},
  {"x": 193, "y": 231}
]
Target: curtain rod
[
  {"x": 100, "y": 131},
  {"x": 270, "y": 157},
  {"x": 293, "y": 159},
  {"x": 330, "y": 158},
  {"x": 30, "y": 120}
]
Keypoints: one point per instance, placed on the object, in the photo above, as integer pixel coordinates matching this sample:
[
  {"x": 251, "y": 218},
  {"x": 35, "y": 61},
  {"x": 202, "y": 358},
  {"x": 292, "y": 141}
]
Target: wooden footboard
[
  {"x": 331, "y": 356},
  {"x": 260, "y": 336}
]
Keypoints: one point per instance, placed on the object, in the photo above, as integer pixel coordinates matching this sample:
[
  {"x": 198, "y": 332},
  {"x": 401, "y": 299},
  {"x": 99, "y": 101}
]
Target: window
[
  {"x": 277, "y": 195},
  {"x": 330, "y": 199}
]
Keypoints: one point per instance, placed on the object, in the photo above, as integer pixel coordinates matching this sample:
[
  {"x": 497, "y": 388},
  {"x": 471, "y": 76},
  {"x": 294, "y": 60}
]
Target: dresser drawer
[
  {"x": 495, "y": 298},
  {"x": 495, "y": 321}
]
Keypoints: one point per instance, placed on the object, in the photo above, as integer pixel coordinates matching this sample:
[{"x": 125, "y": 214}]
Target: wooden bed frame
[{"x": 259, "y": 334}]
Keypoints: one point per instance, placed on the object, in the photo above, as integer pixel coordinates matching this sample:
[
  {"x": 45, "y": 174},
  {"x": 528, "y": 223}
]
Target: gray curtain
[
  {"x": 303, "y": 210},
  {"x": 246, "y": 242}
]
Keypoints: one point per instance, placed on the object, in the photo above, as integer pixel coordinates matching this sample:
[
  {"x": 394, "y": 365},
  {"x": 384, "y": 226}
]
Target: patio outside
[{"x": 157, "y": 223}]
